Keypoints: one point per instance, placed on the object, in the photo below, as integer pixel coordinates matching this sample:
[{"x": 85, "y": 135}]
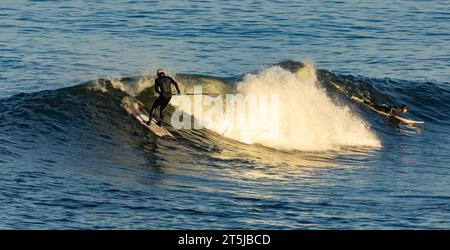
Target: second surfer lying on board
[
  {"x": 391, "y": 110},
  {"x": 163, "y": 86}
]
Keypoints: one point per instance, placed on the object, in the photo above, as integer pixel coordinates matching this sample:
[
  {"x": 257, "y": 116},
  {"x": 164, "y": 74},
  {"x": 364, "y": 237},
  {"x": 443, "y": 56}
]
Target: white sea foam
[
  {"x": 132, "y": 89},
  {"x": 307, "y": 118}
]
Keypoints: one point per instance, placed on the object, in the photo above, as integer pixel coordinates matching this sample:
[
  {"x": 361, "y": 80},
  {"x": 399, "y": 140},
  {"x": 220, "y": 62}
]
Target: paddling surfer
[
  {"x": 163, "y": 86},
  {"x": 391, "y": 110}
]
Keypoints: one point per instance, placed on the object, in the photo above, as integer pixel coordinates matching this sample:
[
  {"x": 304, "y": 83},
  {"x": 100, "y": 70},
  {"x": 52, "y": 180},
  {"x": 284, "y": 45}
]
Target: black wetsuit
[
  {"x": 388, "y": 109},
  {"x": 395, "y": 110},
  {"x": 163, "y": 86}
]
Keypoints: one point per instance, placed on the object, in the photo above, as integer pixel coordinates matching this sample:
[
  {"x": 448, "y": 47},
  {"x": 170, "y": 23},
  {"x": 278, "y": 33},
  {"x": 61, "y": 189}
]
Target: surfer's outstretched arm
[{"x": 176, "y": 85}]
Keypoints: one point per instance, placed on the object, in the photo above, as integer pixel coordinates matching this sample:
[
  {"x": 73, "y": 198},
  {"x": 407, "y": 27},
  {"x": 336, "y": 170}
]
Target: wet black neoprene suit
[
  {"x": 392, "y": 110},
  {"x": 163, "y": 88}
]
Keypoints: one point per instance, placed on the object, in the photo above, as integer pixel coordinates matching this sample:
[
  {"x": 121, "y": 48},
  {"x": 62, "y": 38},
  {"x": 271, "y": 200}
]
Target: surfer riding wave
[{"x": 163, "y": 86}]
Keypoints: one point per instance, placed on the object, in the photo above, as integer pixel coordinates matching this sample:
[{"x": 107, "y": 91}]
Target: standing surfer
[{"x": 163, "y": 86}]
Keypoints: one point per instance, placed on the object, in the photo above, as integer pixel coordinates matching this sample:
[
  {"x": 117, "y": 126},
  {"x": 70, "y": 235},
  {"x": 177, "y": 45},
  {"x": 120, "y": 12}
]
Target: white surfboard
[
  {"x": 406, "y": 120},
  {"x": 136, "y": 109},
  {"x": 400, "y": 118}
]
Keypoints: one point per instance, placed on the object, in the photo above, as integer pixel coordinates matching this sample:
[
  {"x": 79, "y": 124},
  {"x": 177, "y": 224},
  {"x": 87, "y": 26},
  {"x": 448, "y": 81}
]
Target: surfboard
[
  {"x": 400, "y": 118},
  {"x": 136, "y": 109},
  {"x": 406, "y": 120}
]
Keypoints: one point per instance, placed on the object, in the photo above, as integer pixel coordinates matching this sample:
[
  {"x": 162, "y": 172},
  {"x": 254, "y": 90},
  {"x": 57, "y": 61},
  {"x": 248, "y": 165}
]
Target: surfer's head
[
  {"x": 404, "y": 108},
  {"x": 160, "y": 72}
]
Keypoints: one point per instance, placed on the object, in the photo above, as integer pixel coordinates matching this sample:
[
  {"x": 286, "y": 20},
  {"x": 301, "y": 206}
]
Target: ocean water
[{"x": 71, "y": 157}]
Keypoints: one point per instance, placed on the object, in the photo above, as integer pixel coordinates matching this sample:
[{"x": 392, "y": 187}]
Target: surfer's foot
[
  {"x": 148, "y": 122},
  {"x": 159, "y": 123}
]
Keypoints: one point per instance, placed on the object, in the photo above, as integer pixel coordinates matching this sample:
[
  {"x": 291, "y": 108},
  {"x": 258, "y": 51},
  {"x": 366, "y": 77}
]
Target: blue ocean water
[{"x": 70, "y": 157}]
